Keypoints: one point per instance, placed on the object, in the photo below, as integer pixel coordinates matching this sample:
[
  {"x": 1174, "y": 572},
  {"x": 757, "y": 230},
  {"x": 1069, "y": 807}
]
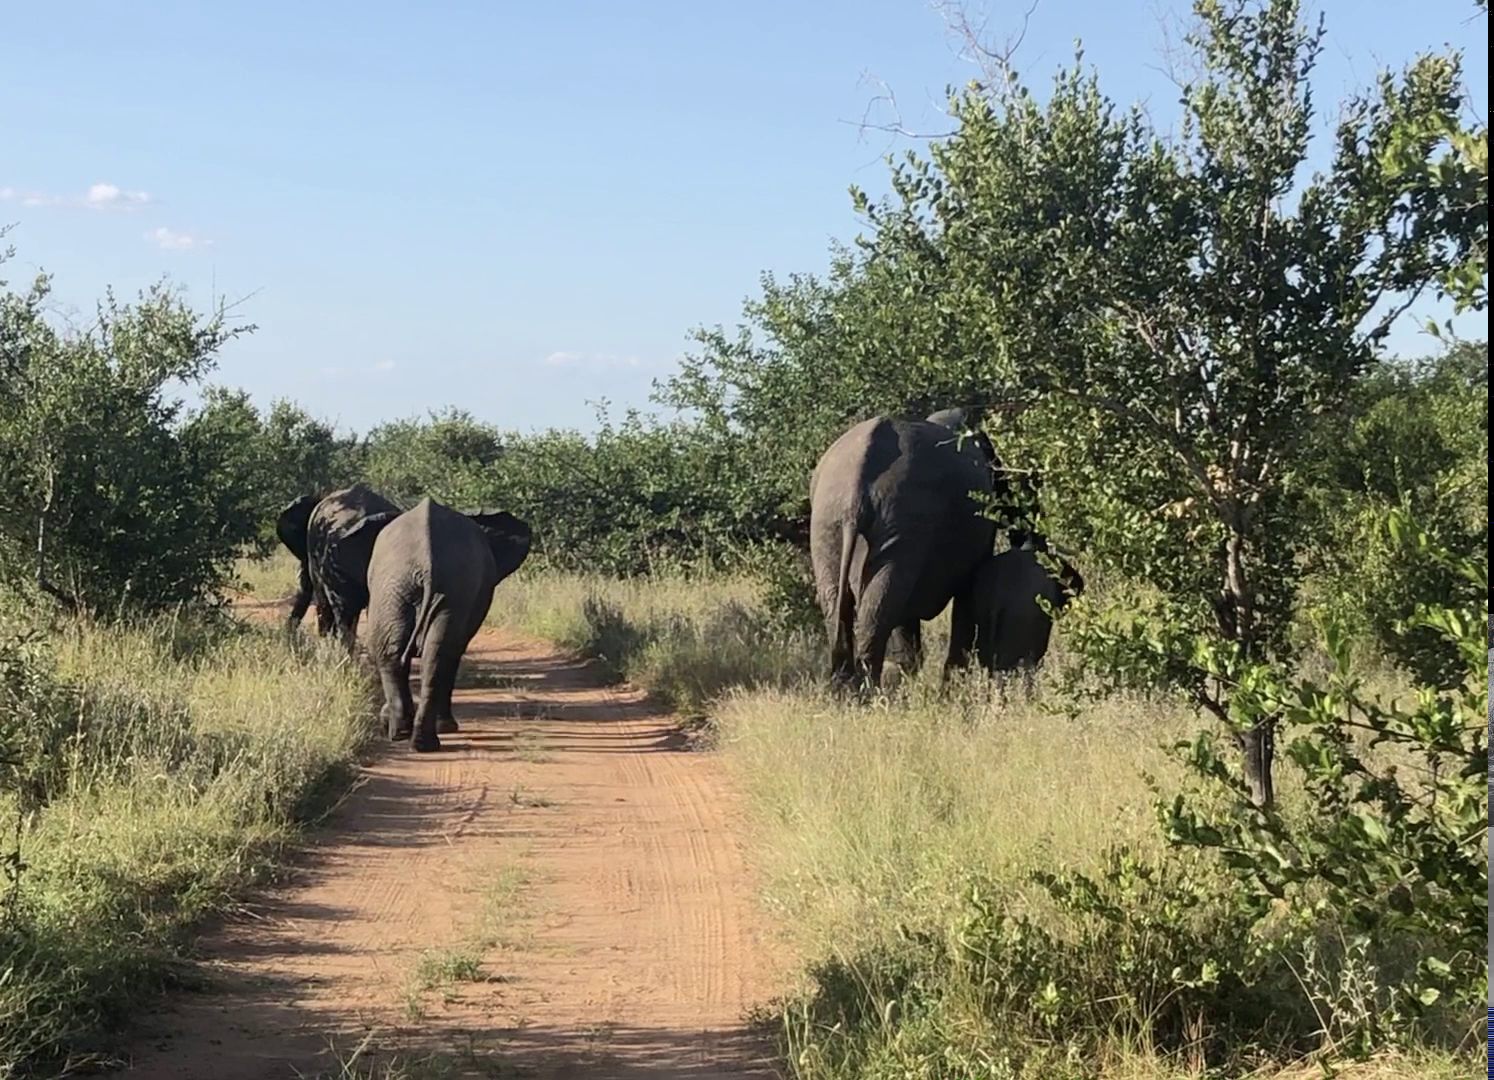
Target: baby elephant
[
  {"x": 1012, "y": 626},
  {"x": 430, "y": 583}
]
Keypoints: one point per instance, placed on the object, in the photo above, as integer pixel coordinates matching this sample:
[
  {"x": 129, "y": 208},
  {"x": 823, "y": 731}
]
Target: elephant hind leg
[
  {"x": 882, "y": 608},
  {"x": 398, "y": 712},
  {"x": 326, "y": 617},
  {"x": 440, "y": 655},
  {"x": 965, "y": 634},
  {"x": 388, "y": 634},
  {"x": 445, "y": 718},
  {"x": 839, "y": 608},
  {"x": 905, "y": 647},
  {"x": 347, "y": 627},
  {"x": 302, "y": 599},
  {"x": 842, "y": 634}
]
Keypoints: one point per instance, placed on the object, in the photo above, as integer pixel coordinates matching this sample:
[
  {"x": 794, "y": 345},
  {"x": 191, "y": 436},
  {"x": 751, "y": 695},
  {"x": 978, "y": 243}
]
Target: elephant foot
[
  {"x": 424, "y": 744},
  {"x": 446, "y": 725}
]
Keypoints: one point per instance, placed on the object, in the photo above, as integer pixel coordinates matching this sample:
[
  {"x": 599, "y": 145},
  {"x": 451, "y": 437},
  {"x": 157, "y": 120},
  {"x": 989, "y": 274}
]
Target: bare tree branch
[
  {"x": 887, "y": 97},
  {"x": 995, "y": 62}
]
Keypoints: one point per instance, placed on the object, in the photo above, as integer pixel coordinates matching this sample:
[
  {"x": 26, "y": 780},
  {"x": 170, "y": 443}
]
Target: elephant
[
  {"x": 1022, "y": 487},
  {"x": 894, "y": 535},
  {"x": 905, "y": 646},
  {"x": 1013, "y": 627},
  {"x": 430, "y": 585},
  {"x": 323, "y": 535}
]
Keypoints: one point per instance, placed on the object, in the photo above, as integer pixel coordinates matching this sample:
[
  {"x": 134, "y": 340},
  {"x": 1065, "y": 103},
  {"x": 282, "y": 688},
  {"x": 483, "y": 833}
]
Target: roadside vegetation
[{"x": 152, "y": 771}]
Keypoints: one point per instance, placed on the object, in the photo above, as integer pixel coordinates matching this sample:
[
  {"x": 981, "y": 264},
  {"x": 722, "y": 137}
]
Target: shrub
[
  {"x": 1389, "y": 843},
  {"x": 103, "y": 494}
]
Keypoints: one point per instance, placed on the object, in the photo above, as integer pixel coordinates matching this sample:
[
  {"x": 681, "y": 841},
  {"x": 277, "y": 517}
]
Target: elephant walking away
[
  {"x": 1013, "y": 627},
  {"x": 324, "y": 536},
  {"x": 430, "y": 585},
  {"x": 905, "y": 646},
  {"x": 894, "y": 535}
]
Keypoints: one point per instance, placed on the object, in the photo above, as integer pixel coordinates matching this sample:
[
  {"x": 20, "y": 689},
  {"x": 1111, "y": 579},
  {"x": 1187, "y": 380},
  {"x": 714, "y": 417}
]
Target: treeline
[{"x": 117, "y": 497}]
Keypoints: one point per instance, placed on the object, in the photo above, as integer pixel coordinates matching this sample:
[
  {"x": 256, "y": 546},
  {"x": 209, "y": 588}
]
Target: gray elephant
[
  {"x": 430, "y": 584},
  {"x": 323, "y": 534},
  {"x": 1013, "y": 625},
  {"x": 894, "y": 535}
]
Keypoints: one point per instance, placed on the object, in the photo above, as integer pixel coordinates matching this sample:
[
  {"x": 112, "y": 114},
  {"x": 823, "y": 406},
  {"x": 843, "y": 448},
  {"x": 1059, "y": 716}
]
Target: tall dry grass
[
  {"x": 684, "y": 640},
  {"x": 870, "y": 817},
  {"x": 270, "y": 577},
  {"x": 154, "y": 772}
]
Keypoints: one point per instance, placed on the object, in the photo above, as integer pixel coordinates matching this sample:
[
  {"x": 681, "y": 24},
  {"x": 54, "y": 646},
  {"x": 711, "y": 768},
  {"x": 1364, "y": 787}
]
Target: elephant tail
[
  {"x": 423, "y": 617},
  {"x": 845, "y": 613}
]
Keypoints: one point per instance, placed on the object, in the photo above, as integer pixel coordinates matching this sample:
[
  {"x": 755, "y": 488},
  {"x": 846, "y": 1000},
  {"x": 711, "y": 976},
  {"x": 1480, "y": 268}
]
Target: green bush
[
  {"x": 1389, "y": 840},
  {"x": 1140, "y": 955},
  {"x": 1415, "y": 441},
  {"x": 257, "y": 463},
  {"x": 103, "y": 492}
]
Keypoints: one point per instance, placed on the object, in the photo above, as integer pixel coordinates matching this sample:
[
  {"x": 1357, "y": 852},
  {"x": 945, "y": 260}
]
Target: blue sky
[{"x": 514, "y": 208}]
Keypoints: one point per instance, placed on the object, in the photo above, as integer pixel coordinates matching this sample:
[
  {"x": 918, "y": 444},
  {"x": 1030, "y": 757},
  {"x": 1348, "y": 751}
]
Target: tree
[
  {"x": 103, "y": 503},
  {"x": 451, "y": 457},
  {"x": 1175, "y": 310}
]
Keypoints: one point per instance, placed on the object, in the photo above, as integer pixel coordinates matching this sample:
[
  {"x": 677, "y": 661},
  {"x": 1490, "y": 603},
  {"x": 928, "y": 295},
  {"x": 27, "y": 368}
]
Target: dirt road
[{"x": 560, "y": 893}]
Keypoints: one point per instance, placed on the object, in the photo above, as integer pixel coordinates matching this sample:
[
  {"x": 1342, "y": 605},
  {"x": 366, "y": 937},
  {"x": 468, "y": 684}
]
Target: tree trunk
[
  {"x": 1259, "y": 743},
  {"x": 1259, "y": 747}
]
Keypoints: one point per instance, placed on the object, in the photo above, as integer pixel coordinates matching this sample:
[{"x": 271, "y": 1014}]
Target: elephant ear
[
  {"x": 509, "y": 538},
  {"x": 966, "y": 421},
  {"x": 954, "y": 419},
  {"x": 353, "y": 546},
  {"x": 358, "y": 539},
  {"x": 292, "y": 523}
]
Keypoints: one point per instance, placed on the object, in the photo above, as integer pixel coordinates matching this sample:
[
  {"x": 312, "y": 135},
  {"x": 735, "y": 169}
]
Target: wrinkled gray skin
[
  {"x": 430, "y": 585},
  {"x": 324, "y": 536},
  {"x": 1013, "y": 627},
  {"x": 905, "y": 646},
  {"x": 894, "y": 535}
]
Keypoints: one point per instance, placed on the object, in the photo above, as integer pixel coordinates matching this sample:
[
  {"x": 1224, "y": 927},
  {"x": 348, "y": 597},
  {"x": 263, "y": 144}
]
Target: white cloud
[
  {"x": 384, "y": 365},
  {"x": 171, "y": 240},
  {"x": 102, "y": 196},
  {"x": 99, "y": 196},
  {"x": 592, "y": 361}
]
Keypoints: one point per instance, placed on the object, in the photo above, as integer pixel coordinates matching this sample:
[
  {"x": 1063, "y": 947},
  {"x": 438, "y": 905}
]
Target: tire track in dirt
[{"x": 633, "y": 949}]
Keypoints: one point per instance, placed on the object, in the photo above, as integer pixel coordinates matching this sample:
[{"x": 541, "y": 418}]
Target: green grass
[
  {"x": 439, "y": 970},
  {"x": 870, "y": 818},
  {"x": 500, "y": 898},
  {"x": 155, "y": 772},
  {"x": 370, "y": 1060}
]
